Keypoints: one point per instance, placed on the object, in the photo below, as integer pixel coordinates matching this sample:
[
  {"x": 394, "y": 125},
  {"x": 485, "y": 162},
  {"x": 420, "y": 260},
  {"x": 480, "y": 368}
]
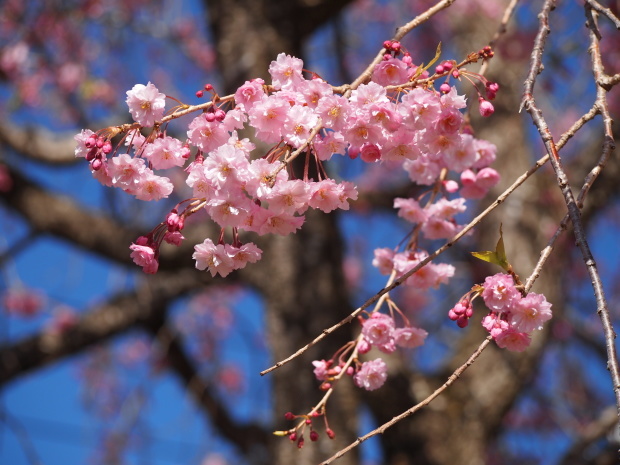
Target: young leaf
[{"x": 498, "y": 257}]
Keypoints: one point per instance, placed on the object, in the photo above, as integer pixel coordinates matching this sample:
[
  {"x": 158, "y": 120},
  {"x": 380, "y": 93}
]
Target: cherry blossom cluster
[
  {"x": 513, "y": 316},
  {"x": 392, "y": 119},
  {"x": 378, "y": 330}
]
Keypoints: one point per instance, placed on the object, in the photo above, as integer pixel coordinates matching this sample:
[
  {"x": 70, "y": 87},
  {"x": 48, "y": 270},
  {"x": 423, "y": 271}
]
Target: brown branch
[
  {"x": 497, "y": 202},
  {"x": 37, "y": 143},
  {"x": 61, "y": 217},
  {"x": 604, "y": 11},
  {"x": 110, "y": 319},
  {"x": 383, "y": 428},
  {"x": 574, "y": 212}
]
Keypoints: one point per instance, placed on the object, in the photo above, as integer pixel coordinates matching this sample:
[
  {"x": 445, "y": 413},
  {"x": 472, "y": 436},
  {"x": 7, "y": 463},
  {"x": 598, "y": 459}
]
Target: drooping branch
[{"x": 574, "y": 212}]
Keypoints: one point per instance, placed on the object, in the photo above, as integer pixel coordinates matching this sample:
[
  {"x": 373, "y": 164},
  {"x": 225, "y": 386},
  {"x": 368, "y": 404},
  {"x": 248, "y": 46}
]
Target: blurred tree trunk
[{"x": 301, "y": 275}]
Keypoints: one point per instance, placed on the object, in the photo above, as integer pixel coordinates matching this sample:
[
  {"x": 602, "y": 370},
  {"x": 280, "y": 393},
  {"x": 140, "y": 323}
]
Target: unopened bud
[
  {"x": 220, "y": 115},
  {"x": 330, "y": 433},
  {"x": 314, "y": 436},
  {"x": 486, "y": 108},
  {"x": 289, "y": 416}
]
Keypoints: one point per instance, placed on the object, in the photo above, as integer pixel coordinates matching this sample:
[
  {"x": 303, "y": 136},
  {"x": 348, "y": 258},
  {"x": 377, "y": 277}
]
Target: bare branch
[
  {"x": 574, "y": 212},
  {"x": 604, "y": 11},
  {"x": 383, "y": 428}
]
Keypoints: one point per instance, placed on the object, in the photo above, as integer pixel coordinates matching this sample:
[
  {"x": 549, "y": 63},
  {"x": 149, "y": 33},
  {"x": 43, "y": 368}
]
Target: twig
[
  {"x": 508, "y": 12},
  {"x": 500, "y": 199},
  {"x": 381, "y": 429},
  {"x": 400, "y": 33},
  {"x": 574, "y": 212},
  {"x": 604, "y": 11}
]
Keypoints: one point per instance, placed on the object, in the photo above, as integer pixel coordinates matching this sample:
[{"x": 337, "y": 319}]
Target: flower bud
[{"x": 486, "y": 108}]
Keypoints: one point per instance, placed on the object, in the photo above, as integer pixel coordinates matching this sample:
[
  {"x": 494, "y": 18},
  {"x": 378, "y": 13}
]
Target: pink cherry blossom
[
  {"x": 249, "y": 93},
  {"x": 146, "y": 104},
  {"x": 126, "y": 172},
  {"x": 241, "y": 256},
  {"x": 80, "y": 149},
  {"x": 300, "y": 121},
  {"x": 326, "y": 146},
  {"x": 153, "y": 187},
  {"x": 144, "y": 256},
  {"x": 500, "y": 293},
  {"x": 166, "y": 153},
  {"x": 174, "y": 238},
  {"x": 390, "y": 72},
  {"x": 384, "y": 260},
  {"x": 313, "y": 91},
  {"x": 286, "y": 71},
  {"x": 409, "y": 337},
  {"x": 267, "y": 117},
  {"x": 495, "y": 325},
  {"x": 206, "y": 135},
  {"x": 410, "y": 210},
  {"x": 281, "y": 223},
  {"x": 333, "y": 111},
  {"x": 378, "y": 329},
  {"x": 320, "y": 369},
  {"x": 371, "y": 375},
  {"x": 513, "y": 340},
  {"x": 289, "y": 197},
  {"x": 530, "y": 312},
  {"x": 212, "y": 257}
]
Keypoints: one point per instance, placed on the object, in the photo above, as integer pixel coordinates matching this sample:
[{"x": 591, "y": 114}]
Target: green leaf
[
  {"x": 498, "y": 257},
  {"x": 487, "y": 256}
]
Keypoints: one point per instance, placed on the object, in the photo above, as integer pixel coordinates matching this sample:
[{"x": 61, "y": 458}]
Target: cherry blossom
[
  {"x": 146, "y": 104},
  {"x": 371, "y": 375}
]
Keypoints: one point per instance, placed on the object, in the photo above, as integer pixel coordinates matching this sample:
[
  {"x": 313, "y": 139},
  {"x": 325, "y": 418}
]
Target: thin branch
[
  {"x": 383, "y": 428},
  {"x": 500, "y": 199},
  {"x": 22, "y": 436},
  {"x": 535, "y": 113},
  {"x": 508, "y": 12},
  {"x": 400, "y": 33},
  {"x": 604, "y": 11}
]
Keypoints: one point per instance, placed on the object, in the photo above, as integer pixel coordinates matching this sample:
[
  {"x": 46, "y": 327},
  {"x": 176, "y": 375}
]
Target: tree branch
[
  {"x": 110, "y": 319},
  {"x": 37, "y": 143}
]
